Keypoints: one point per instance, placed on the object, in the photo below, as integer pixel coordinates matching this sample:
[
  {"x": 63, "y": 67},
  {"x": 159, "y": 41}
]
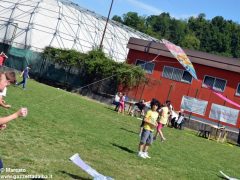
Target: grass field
[{"x": 61, "y": 124}]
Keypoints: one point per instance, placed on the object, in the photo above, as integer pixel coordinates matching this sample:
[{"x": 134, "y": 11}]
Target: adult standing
[{"x": 25, "y": 76}]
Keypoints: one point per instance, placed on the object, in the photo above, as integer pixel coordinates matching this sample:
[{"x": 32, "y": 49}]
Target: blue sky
[{"x": 180, "y": 9}]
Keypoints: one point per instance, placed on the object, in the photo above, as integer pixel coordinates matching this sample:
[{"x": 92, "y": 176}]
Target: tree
[
  {"x": 132, "y": 19},
  {"x": 190, "y": 41},
  {"x": 117, "y": 18}
]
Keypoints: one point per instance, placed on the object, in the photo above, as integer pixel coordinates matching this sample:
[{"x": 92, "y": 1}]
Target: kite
[
  {"x": 181, "y": 56},
  {"x": 92, "y": 172}
]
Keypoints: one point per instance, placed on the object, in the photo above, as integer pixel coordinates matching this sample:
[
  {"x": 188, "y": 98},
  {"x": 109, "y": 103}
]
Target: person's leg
[
  {"x": 123, "y": 108},
  {"x": 120, "y": 108},
  {"x": 24, "y": 83},
  {"x": 173, "y": 121},
  {"x": 159, "y": 126},
  {"x": 116, "y": 106},
  {"x": 161, "y": 135},
  {"x": 156, "y": 134},
  {"x": 19, "y": 83},
  {"x": 141, "y": 147},
  {"x": 159, "y": 129},
  {"x": 145, "y": 149},
  {"x": 141, "y": 128},
  {"x": 142, "y": 143},
  {"x": 132, "y": 112},
  {"x": 181, "y": 125},
  {"x": 148, "y": 143}
]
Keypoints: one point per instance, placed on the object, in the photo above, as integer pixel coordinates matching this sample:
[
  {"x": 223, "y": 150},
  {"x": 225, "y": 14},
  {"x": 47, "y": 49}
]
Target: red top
[{"x": 2, "y": 59}]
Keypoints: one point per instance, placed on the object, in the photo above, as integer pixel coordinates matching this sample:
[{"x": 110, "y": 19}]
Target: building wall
[{"x": 163, "y": 88}]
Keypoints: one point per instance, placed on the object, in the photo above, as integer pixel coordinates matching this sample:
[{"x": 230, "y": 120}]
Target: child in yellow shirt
[{"x": 150, "y": 123}]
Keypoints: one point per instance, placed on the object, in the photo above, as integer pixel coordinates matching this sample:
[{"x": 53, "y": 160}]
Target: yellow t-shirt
[
  {"x": 152, "y": 117},
  {"x": 164, "y": 115}
]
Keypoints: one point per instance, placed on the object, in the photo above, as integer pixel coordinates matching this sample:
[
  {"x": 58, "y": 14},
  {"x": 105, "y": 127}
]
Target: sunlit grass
[{"x": 61, "y": 124}]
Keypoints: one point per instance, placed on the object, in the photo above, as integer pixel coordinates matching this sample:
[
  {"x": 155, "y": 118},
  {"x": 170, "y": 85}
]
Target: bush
[{"x": 96, "y": 66}]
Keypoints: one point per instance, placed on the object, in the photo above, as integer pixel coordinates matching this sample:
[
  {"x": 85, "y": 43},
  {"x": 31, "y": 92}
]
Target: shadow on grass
[
  {"x": 233, "y": 144},
  {"x": 124, "y": 148},
  {"x": 221, "y": 177},
  {"x": 110, "y": 108},
  {"x": 128, "y": 130},
  {"x": 73, "y": 176}
]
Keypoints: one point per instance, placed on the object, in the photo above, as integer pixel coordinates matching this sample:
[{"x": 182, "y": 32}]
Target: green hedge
[{"x": 95, "y": 66}]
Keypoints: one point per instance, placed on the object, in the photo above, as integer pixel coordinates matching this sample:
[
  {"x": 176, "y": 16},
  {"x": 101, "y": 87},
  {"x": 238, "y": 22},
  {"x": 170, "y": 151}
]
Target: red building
[{"x": 168, "y": 80}]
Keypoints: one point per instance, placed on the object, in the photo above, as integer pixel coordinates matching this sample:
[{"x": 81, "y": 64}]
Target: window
[
  {"x": 215, "y": 83},
  {"x": 147, "y": 66},
  {"x": 177, "y": 74},
  {"x": 187, "y": 77},
  {"x": 238, "y": 90}
]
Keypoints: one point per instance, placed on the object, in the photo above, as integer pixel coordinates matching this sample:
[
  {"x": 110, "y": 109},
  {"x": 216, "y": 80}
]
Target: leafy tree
[
  {"x": 217, "y": 36},
  {"x": 190, "y": 41},
  {"x": 132, "y": 19},
  {"x": 117, "y": 18}
]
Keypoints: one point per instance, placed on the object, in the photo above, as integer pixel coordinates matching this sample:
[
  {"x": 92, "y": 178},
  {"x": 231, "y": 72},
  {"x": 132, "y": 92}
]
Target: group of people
[
  {"x": 154, "y": 116},
  {"x": 157, "y": 117},
  {"x": 119, "y": 102}
]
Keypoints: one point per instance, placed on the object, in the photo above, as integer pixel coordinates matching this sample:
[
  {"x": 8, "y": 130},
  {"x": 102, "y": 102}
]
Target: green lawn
[{"x": 61, "y": 124}]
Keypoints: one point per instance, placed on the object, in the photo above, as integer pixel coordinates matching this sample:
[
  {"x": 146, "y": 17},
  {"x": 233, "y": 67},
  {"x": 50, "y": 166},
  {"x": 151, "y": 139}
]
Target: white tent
[{"x": 35, "y": 24}]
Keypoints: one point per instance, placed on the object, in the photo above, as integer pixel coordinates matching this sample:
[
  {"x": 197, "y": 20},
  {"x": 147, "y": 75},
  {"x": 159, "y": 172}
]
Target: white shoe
[
  {"x": 141, "y": 154},
  {"x": 146, "y": 155},
  {"x": 163, "y": 139}
]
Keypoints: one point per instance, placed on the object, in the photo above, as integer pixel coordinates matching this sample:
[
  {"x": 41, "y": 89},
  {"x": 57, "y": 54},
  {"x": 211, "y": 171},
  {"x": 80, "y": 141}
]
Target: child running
[
  {"x": 163, "y": 114},
  {"x": 150, "y": 122}
]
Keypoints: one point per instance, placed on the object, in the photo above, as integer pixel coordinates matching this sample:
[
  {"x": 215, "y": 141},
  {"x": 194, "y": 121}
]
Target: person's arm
[
  {"x": 21, "y": 74},
  {"x": 20, "y": 113}
]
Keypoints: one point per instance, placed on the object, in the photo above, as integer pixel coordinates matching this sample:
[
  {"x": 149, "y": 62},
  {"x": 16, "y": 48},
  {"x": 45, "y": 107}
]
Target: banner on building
[
  {"x": 181, "y": 56},
  {"x": 194, "y": 105},
  {"x": 224, "y": 114}
]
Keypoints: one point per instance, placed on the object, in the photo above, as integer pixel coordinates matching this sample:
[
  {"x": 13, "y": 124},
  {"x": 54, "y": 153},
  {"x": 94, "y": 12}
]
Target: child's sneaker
[
  {"x": 141, "y": 154},
  {"x": 146, "y": 155},
  {"x": 163, "y": 139}
]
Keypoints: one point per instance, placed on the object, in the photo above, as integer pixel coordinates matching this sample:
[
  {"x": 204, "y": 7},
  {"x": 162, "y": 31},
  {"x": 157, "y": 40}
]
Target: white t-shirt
[
  {"x": 174, "y": 115},
  {"x": 4, "y": 92},
  {"x": 180, "y": 119},
  {"x": 117, "y": 98}
]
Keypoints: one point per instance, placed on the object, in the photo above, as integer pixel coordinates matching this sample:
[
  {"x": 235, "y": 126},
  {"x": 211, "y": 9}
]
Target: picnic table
[{"x": 212, "y": 131}]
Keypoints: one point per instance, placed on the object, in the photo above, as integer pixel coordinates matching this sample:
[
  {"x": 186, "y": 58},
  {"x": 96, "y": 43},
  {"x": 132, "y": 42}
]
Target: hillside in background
[{"x": 217, "y": 36}]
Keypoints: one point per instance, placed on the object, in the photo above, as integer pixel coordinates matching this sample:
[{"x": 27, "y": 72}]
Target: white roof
[{"x": 35, "y": 24}]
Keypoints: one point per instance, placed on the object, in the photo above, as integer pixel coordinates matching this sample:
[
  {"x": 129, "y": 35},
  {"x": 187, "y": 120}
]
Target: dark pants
[
  {"x": 173, "y": 122},
  {"x": 238, "y": 141},
  {"x": 116, "y": 105},
  {"x": 179, "y": 126},
  {"x": 23, "y": 82}
]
